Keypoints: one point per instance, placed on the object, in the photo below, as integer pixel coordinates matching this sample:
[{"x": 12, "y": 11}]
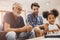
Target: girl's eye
[
  {"x": 52, "y": 18},
  {"x": 49, "y": 18}
]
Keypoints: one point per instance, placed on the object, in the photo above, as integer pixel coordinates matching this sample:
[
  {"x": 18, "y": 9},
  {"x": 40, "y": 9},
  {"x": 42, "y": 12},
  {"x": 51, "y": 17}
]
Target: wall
[{"x": 44, "y": 5}]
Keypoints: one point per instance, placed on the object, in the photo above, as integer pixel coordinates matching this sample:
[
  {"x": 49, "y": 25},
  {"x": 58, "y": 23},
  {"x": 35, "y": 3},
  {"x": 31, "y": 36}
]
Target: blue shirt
[{"x": 34, "y": 21}]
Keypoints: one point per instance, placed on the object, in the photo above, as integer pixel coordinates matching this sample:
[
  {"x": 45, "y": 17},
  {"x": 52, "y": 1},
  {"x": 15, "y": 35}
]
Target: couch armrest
[{"x": 2, "y": 35}]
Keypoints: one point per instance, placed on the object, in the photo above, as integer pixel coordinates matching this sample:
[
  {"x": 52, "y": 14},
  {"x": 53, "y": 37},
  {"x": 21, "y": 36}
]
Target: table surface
[{"x": 42, "y": 38}]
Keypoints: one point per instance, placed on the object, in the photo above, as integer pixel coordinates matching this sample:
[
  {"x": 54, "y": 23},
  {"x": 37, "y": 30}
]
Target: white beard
[{"x": 16, "y": 14}]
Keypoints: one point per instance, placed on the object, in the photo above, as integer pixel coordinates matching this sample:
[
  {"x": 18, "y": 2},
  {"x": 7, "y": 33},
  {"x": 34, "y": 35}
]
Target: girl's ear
[{"x": 46, "y": 18}]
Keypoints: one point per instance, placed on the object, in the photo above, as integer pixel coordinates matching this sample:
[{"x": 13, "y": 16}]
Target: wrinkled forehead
[{"x": 18, "y": 5}]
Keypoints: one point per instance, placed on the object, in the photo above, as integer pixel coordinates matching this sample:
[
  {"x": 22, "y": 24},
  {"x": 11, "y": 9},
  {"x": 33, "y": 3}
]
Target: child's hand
[{"x": 53, "y": 31}]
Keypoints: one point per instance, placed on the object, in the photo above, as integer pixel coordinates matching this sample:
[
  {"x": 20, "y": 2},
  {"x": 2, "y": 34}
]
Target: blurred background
[{"x": 6, "y": 5}]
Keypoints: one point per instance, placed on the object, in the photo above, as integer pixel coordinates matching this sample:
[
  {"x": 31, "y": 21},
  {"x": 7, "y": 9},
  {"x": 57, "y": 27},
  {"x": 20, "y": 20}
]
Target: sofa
[{"x": 2, "y": 35}]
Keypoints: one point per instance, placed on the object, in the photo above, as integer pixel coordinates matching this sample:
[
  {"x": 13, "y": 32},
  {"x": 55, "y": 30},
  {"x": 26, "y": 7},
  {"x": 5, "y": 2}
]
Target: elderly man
[{"x": 14, "y": 24}]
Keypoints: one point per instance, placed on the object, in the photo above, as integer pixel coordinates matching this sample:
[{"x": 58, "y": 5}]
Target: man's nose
[{"x": 36, "y": 10}]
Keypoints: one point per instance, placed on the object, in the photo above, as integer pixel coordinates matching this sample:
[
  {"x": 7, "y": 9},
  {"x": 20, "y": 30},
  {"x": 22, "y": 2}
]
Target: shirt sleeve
[
  {"x": 7, "y": 18},
  {"x": 41, "y": 20},
  {"x": 21, "y": 21},
  {"x": 29, "y": 20}
]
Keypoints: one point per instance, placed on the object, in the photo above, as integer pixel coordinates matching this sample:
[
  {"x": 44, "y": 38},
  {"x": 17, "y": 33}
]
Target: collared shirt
[{"x": 34, "y": 21}]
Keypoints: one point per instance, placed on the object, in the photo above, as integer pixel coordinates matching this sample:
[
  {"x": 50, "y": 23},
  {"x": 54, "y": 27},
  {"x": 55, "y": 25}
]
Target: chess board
[{"x": 53, "y": 35}]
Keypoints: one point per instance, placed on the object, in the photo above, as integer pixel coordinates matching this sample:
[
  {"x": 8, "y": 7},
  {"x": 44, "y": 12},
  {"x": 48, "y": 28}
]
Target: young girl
[{"x": 51, "y": 27}]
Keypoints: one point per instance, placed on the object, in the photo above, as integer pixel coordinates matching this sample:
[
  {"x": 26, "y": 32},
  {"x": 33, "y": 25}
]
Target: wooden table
[{"x": 42, "y": 38}]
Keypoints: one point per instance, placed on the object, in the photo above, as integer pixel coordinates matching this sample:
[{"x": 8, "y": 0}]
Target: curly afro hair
[
  {"x": 45, "y": 14},
  {"x": 53, "y": 12}
]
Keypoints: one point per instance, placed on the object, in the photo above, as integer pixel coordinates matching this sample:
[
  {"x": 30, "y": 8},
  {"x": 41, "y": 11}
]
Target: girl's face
[{"x": 51, "y": 19}]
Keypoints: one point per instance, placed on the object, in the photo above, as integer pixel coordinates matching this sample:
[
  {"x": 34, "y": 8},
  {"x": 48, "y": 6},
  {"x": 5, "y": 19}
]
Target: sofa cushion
[{"x": 2, "y": 35}]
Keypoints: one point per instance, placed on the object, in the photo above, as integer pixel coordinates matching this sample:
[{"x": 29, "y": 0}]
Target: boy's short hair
[{"x": 35, "y": 4}]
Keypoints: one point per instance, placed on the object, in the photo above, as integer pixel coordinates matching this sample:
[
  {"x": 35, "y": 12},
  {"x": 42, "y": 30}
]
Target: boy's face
[
  {"x": 51, "y": 19},
  {"x": 35, "y": 9}
]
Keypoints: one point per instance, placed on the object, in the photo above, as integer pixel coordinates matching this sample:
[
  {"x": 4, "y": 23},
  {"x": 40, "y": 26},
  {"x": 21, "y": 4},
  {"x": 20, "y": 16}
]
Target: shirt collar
[{"x": 34, "y": 15}]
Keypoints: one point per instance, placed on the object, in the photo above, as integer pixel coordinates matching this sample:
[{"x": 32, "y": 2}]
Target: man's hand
[{"x": 28, "y": 28}]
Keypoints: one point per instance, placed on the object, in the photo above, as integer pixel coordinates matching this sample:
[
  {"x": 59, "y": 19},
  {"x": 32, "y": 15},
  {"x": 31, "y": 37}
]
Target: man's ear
[{"x": 13, "y": 8}]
